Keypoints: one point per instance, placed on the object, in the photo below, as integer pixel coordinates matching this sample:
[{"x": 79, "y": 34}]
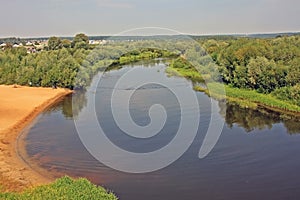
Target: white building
[{"x": 29, "y": 44}]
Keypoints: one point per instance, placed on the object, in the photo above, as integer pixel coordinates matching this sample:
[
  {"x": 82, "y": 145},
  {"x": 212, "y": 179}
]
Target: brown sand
[{"x": 18, "y": 108}]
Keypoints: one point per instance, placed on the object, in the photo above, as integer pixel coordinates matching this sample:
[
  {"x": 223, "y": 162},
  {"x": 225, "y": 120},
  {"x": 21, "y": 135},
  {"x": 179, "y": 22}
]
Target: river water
[{"x": 256, "y": 156}]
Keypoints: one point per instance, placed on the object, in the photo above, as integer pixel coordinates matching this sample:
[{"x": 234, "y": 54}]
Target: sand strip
[{"x": 18, "y": 108}]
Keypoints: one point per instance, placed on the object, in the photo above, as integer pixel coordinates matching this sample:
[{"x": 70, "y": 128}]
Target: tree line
[
  {"x": 68, "y": 64},
  {"x": 266, "y": 65},
  {"x": 270, "y": 65}
]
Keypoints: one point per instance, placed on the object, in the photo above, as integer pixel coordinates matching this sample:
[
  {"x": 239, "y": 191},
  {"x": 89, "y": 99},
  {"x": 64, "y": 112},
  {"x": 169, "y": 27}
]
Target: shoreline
[
  {"x": 248, "y": 102},
  {"x": 19, "y": 107}
]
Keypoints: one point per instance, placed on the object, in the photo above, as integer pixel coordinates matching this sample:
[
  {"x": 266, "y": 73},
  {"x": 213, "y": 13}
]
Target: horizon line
[{"x": 187, "y": 34}]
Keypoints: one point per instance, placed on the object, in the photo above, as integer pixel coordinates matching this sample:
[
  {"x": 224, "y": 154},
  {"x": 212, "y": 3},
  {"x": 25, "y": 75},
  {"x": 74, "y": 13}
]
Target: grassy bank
[
  {"x": 181, "y": 67},
  {"x": 248, "y": 98},
  {"x": 244, "y": 97},
  {"x": 189, "y": 74},
  {"x": 63, "y": 188},
  {"x": 145, "y": 54}
]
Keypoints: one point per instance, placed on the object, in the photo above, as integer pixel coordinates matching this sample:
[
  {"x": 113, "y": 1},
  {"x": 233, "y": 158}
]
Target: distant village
[
  {"x": 34, "y": 46},
  {"x": 31, "y": 46}
]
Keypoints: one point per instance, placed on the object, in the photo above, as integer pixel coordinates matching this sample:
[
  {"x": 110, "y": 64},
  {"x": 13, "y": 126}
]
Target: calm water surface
[{"x": 256, "y": 157}]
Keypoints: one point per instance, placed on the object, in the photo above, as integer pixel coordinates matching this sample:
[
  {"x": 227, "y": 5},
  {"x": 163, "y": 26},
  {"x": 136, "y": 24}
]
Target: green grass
[
  {"x": 248, "y": 98},
  {"x": 63, "y": 188},
  {"x": 146, "y": 54},
  {"x": 193, "y": 75}
]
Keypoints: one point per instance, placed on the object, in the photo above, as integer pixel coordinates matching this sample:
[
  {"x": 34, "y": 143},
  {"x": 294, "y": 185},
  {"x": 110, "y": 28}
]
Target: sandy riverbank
[{"x": 18, "y": 108}]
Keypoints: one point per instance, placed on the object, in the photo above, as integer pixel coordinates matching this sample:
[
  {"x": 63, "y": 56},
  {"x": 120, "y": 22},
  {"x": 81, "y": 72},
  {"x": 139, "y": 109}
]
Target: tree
[
  {"x": 81, "y": 45},
  {"x": 54, "y": 43},
  {"x": 264, "y": 75},
  {"x": 293, "y": 76},
  {"x": 80, "y": 41},
  {"x": 66, "y": 43},
  {"x": 240, "y": 79}
]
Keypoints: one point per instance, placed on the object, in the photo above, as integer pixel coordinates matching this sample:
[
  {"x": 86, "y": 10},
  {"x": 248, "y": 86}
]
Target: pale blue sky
[{"x": 31, "y": 18}]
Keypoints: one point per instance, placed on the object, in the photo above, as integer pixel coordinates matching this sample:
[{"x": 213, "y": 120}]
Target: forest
[
  {"x": 265, "y": 65},
  {"x": 268, "y": 66}
]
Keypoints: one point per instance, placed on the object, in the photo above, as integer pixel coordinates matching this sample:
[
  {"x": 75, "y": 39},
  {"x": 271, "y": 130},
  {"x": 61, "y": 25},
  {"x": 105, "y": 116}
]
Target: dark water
[{"x": 256, "y": 157}]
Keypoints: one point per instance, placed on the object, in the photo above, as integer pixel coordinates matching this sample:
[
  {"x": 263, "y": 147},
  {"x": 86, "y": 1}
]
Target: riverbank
[
  {"x": 19, "y": 106},
  {"x": 249, "y": 98}
]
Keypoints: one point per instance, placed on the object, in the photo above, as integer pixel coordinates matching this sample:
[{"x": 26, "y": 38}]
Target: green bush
[
  {"x": 291, "y": 94},
  {"x": 63, "y": 188}
]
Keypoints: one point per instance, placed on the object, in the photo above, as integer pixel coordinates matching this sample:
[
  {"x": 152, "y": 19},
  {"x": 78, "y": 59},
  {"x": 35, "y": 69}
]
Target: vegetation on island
[{"x": 63, "y": 188}]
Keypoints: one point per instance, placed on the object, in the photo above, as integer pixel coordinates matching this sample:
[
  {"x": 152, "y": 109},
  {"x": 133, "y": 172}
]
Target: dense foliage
[
  {"x": 67, "y": 63},
  {"x": 40, "y": 69},
  {"x": 63, "y": 188},
  {"x": 269, "y": 66},
  {"x": 265, "y": 65}
]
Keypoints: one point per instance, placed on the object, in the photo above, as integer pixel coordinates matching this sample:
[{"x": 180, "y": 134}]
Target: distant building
[
  {"x": 103, "y": 42},
  {"x": 94, "y": 42},
  {"x": 3, "y": 46},
  {"x": 29, "y": 43}
]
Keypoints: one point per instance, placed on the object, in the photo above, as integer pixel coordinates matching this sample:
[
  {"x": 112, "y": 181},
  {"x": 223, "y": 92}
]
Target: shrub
[{"x": 63, "y": 188}]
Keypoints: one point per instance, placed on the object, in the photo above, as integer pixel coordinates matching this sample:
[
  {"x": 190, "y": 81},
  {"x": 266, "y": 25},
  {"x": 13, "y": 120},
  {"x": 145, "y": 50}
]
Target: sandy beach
[{"x": 19, "y": 106}]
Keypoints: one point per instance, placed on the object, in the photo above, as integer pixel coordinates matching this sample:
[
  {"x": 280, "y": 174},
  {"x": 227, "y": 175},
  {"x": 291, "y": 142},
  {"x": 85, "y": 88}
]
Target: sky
[{"x": 41, "y": 18}]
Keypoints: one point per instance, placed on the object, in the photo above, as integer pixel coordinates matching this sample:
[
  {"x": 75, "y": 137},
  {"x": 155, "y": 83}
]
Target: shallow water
[{"x": 256, "y": 156}]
